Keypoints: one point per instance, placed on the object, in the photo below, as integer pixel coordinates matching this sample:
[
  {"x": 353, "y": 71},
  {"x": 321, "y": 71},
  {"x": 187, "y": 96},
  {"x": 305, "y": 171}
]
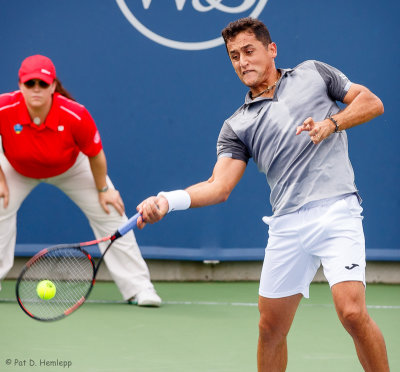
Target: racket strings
[{"x": 71, "y": 271}]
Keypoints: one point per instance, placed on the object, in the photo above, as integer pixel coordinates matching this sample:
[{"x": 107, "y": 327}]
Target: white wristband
[{"x": 178, "y": 200}]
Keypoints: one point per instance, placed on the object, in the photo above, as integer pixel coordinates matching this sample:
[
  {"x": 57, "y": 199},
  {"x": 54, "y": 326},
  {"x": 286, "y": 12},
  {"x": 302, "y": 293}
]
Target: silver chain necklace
[{"x": 266, "y": 90}]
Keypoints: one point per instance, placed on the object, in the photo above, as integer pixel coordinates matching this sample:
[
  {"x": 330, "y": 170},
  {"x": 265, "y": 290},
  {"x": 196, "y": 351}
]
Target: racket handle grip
[{"x": 129, "y": 225}]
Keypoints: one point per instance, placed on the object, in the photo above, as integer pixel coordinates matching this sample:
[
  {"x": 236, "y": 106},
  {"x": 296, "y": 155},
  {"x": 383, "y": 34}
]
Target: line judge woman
[{"x": 49, "y": 138}]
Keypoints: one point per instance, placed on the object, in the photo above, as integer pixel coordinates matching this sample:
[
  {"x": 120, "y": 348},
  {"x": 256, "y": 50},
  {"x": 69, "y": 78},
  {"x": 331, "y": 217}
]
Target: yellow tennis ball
[{"x": 46, "y": 290}]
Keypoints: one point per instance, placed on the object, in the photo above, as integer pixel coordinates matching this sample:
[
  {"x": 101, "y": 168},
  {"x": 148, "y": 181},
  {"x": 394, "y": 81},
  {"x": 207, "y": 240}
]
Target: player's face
[
  {"x": 36, "y": 95},
  {"x": 253, "y": 62}
]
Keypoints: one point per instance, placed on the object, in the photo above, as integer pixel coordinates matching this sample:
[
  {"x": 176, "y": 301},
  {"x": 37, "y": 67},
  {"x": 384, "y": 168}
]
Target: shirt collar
[
  {"x": 248, "y": 100},
  {"x": 52, "y": 118}
]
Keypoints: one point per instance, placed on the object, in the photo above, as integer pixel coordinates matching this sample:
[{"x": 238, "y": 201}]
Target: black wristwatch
[{"x": 336, "y": 124}]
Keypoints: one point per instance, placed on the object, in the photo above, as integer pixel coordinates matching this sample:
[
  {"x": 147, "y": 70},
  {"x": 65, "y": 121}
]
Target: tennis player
[
  {"x": 292, "y": 127},
  {"x": 48, "y": 137}
]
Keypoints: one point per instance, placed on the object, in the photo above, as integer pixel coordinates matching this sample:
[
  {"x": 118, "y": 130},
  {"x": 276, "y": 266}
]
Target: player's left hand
[
  {"x": 317, "y": 130},
  {"x": 111, "y": 197}
]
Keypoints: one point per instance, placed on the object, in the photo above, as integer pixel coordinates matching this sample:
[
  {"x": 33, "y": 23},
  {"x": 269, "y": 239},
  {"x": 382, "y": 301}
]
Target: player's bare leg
[
  {"x": 276, "y": 317},
  {"x": 349, "y": 299}
]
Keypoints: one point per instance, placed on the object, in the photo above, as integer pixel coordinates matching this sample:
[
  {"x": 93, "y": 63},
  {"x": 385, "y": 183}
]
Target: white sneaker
[{"x": 147, "y": 297}]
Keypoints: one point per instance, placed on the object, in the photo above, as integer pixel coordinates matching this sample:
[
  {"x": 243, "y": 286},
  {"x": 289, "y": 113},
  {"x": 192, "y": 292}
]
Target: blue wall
[{"x": 160, "y": 109}]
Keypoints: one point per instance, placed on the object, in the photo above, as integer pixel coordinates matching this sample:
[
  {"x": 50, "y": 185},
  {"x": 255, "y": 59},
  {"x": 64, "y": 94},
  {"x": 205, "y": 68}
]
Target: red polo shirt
[{"x": 51, "y": 148}]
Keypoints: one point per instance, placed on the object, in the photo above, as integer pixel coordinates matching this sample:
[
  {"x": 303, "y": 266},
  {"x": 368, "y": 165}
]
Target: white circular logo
[{"x": 199, "y": 6}]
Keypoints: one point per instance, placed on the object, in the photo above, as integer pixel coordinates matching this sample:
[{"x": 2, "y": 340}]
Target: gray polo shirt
[{"x": 264, "y": 129}]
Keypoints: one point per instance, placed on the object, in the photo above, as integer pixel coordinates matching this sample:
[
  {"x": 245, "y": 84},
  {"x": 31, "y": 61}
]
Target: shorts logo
[
  {"x": 18, "y": 128},
  {"x": 203, "y": 15},
  {"x": 351, "y": 267}
]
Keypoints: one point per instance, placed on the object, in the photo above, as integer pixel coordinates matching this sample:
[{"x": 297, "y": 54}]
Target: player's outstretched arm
[{"x": 226, "y": 174}]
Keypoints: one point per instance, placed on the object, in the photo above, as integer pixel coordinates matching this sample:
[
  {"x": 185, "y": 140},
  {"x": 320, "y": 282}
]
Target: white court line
[
  {"x": 215, "y": 303},
  {"x": 253, "y": 304},
  {"x": 210, "y": 303}
]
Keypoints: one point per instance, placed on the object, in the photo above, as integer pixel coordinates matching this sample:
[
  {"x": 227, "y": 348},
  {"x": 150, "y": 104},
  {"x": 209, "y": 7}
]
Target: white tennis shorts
[{"x": 327, "y": 231}]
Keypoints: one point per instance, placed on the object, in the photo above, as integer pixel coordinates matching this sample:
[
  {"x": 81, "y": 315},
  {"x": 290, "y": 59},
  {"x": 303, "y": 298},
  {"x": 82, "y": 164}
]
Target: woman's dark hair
[
  {"x": 247, "y": 24},
  {"x": 60, "y": 89}
]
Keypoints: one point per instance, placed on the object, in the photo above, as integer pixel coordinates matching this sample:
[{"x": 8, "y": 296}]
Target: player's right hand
[{"x": 152, "y": 210}]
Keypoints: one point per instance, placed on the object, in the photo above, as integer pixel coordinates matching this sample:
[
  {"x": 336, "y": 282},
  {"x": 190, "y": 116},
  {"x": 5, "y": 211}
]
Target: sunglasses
[{"x": 31, "y": 83}]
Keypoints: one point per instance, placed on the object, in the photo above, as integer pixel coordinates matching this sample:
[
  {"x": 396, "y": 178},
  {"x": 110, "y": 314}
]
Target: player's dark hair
[
  {"x": 247, "y": 24},
  {"x": 60, "y": 89}
]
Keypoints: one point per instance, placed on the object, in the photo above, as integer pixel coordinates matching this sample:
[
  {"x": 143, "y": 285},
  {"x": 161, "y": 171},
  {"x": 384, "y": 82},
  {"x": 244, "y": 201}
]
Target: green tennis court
[{"x": 203, "y": 327}]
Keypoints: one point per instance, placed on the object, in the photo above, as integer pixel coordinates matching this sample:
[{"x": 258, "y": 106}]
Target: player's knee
[
  {"x": 271, "y": 332},
  {"x": 353, "y": 317}
]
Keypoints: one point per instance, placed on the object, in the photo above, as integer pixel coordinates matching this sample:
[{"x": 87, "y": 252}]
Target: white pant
[
  {"x": 124, "y": 260},
  {"x": 326, "y": 231}
]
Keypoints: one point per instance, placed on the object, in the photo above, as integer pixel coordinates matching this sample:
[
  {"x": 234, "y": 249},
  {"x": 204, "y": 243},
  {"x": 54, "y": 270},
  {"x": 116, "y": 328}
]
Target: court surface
[{"x": 207, "y": 327}]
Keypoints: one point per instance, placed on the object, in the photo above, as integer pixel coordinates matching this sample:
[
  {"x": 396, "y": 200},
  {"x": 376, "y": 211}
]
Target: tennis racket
[{"x": 70, "y": 268}]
